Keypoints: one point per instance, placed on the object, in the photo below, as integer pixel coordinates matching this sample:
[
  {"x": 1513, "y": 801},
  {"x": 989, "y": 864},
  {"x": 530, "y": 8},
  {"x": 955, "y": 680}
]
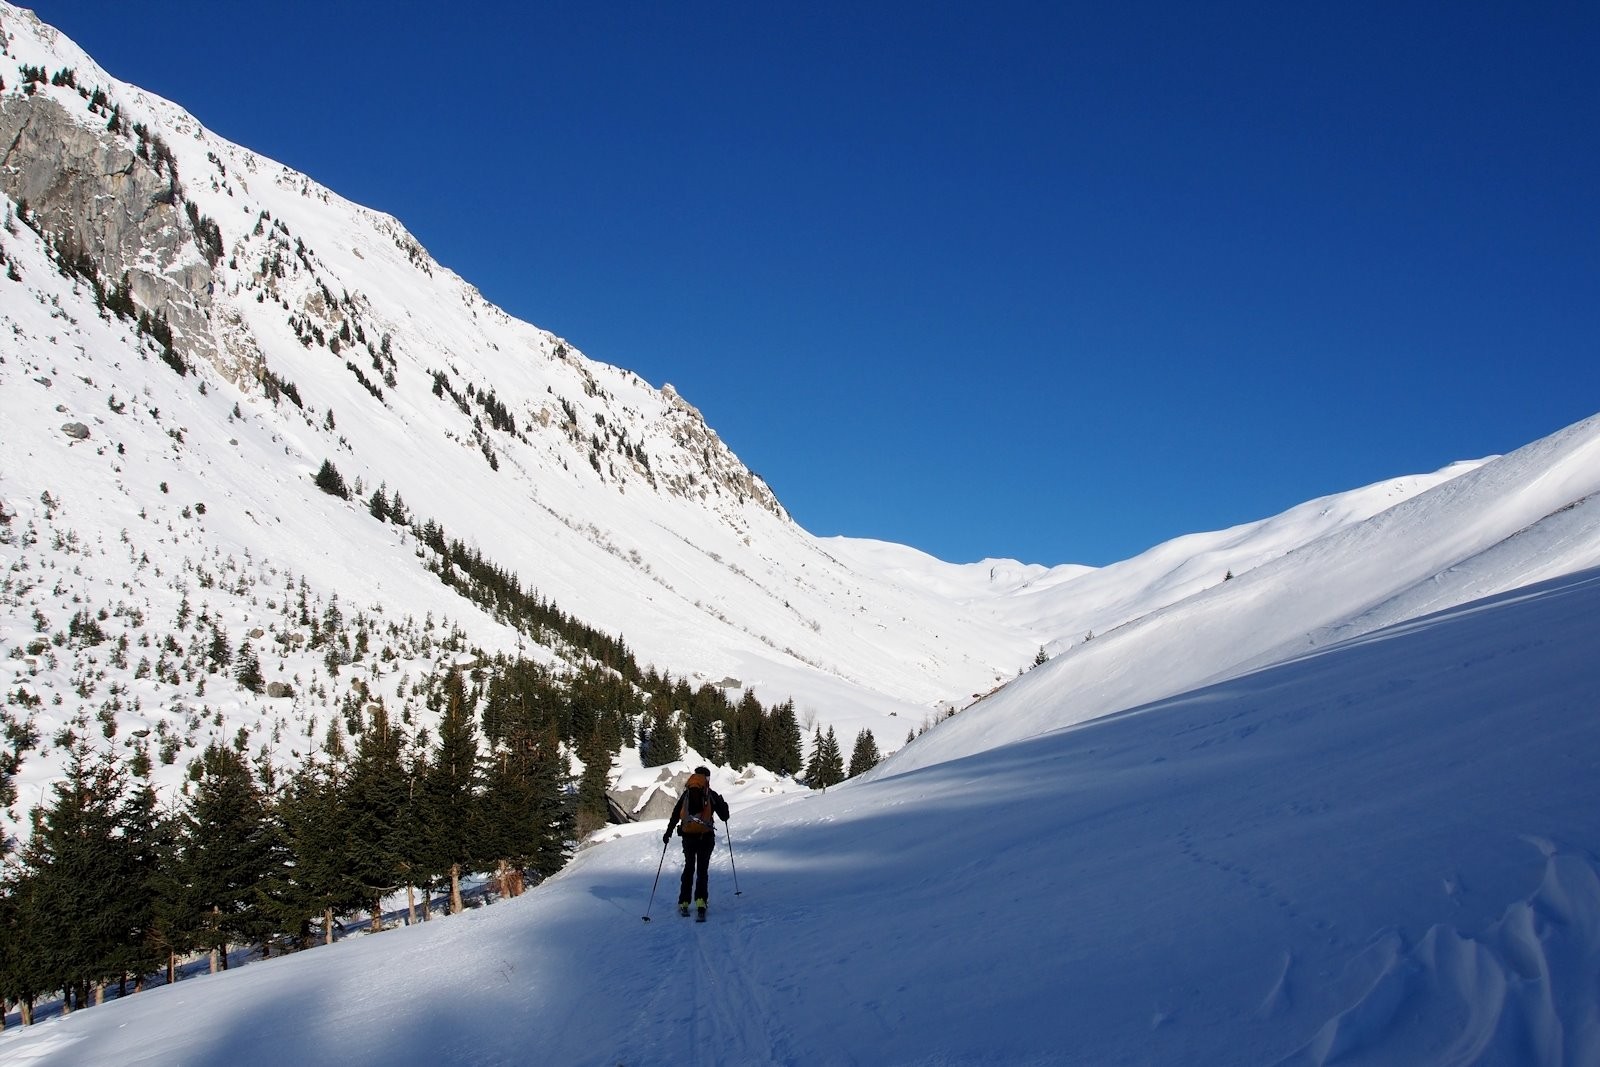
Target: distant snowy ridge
[{"x": 1480, "y": 530}]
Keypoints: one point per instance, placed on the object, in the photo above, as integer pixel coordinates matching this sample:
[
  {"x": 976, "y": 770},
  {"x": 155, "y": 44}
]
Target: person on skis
[{"x": 692, "y": 816}]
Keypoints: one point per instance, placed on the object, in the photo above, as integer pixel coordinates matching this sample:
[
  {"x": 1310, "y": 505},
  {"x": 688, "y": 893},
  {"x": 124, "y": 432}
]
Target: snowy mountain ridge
[
  {"x": 1336, "y": 807},
  {"x": 313, "y": 331}
]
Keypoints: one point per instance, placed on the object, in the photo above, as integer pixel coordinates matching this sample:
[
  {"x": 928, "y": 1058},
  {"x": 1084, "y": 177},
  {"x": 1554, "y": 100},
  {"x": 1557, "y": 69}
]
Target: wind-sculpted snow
[
  {"x": 1527, "y": 990},
  {"x": 1384, "y": 852}
]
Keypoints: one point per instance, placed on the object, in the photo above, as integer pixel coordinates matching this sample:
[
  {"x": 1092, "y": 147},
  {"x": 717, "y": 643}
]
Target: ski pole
[
  {"x": 728, "y": 836},
  {"x": 657, "y": 882}
]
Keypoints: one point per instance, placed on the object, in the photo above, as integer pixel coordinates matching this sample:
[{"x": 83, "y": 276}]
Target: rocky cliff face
[
  {"x": 131, "y": 188},
  {"x": 111, "y": 197}
]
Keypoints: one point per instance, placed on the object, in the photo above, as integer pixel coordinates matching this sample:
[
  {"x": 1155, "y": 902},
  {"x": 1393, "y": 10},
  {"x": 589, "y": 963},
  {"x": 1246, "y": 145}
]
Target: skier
[{"x": 694, "y": 809}]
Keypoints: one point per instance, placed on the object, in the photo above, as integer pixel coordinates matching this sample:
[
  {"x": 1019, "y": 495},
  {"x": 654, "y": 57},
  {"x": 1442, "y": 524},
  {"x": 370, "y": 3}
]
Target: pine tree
[
  {"x": 782, "y": 737},
  {"x": 177, "y": 920},
  {"x": 699, "y": 718},
  {"x": 378, "y": 505},
  {"x": 78, "y": 911},
  {"x": 593, "y": 809},
  {"x": 233, "y": 852},
  {"x": 248, "y": 669},
  {"x": 865, "y": 756},
  {"x": 527, "y": 818},
  {"x": 397, "y": 511},
  {"x": 219, "y": 655},
  {"x": 661, "y": 743},
  {"x": 330, "y": 481},
  {"x": 450, "y": 790},
  {"x": 827, "y": 763},
  {"x": 745, "y": 723},
  {"x": 313, "y": 813},
  {"x": 150, "y": 850},
  {"x": 377, "y": 799},
  {"x": 76, "y": 861},
  {"x": 708, "y": 715},
  {"x": 24, "y": 926}
]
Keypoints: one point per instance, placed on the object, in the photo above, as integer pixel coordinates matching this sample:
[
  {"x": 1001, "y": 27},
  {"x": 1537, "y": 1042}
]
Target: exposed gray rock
[
  {"x": 76, "y": 430},
  {"x": 89, "y": 189},
  {"x": 663, "y": 797},
  {"x": 722, "y": 469},
  {"x": 278, "y": 690}
]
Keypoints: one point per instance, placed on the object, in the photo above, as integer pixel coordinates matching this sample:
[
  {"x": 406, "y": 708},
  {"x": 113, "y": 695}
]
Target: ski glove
[{"x": 665, "y": 837}]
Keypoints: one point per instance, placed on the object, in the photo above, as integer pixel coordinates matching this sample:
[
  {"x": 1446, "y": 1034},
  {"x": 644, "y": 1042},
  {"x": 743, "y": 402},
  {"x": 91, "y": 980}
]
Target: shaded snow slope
[{"x": 1383, "y": 852}]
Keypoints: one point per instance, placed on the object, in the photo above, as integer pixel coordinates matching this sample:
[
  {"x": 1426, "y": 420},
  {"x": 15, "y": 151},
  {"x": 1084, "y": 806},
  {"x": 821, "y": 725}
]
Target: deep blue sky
[{"x": 1053, "y": 281}]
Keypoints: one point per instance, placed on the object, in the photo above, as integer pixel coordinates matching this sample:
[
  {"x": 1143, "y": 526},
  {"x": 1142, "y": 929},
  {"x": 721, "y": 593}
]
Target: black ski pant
[{"x": 696, "y": 866}]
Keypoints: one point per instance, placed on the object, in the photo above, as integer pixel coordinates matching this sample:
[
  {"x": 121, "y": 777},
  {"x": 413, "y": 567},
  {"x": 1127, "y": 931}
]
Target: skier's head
[{"x": 702, "y": 769}]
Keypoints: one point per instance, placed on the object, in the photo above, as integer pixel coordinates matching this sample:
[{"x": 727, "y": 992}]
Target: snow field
[{"x": 1381, "y": 853}]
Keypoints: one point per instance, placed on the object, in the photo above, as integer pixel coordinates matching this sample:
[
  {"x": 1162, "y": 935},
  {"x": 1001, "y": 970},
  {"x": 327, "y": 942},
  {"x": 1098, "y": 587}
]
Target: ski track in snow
[{"x": 1380, "y": 854}]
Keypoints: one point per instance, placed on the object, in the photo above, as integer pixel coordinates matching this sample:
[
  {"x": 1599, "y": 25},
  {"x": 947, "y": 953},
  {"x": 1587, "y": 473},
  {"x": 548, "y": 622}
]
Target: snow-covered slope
[
  {"x": 323, "y": 332},
  {"x": 318, "y": 330},
  {"x": 1384, "y": 852},
  {"x": 1350, "y": 815},
  {"x": 1490, "y": 528}
]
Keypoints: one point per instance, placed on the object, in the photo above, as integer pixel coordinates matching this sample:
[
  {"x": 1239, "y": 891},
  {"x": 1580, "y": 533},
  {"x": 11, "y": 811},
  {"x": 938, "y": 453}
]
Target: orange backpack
[{"x": 697, "y": 805}]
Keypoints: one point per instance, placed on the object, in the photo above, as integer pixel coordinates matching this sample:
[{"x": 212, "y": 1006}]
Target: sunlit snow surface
[
  {"x": 1350, "y": 819},
  {"x": 1383, "y": 852}
]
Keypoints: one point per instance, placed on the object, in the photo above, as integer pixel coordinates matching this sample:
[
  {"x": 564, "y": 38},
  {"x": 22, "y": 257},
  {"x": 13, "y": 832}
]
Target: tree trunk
[
  {"x": 99, "y": 993},
  {"x": 172, "y": 968},
  {"x": 455, "y": 889},
  {"x": 377, "y": 916},
  {"x": 25, "y": 1010},
  {"x": 327, "y": 926},
  {"x": 411, "y": 904}
]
